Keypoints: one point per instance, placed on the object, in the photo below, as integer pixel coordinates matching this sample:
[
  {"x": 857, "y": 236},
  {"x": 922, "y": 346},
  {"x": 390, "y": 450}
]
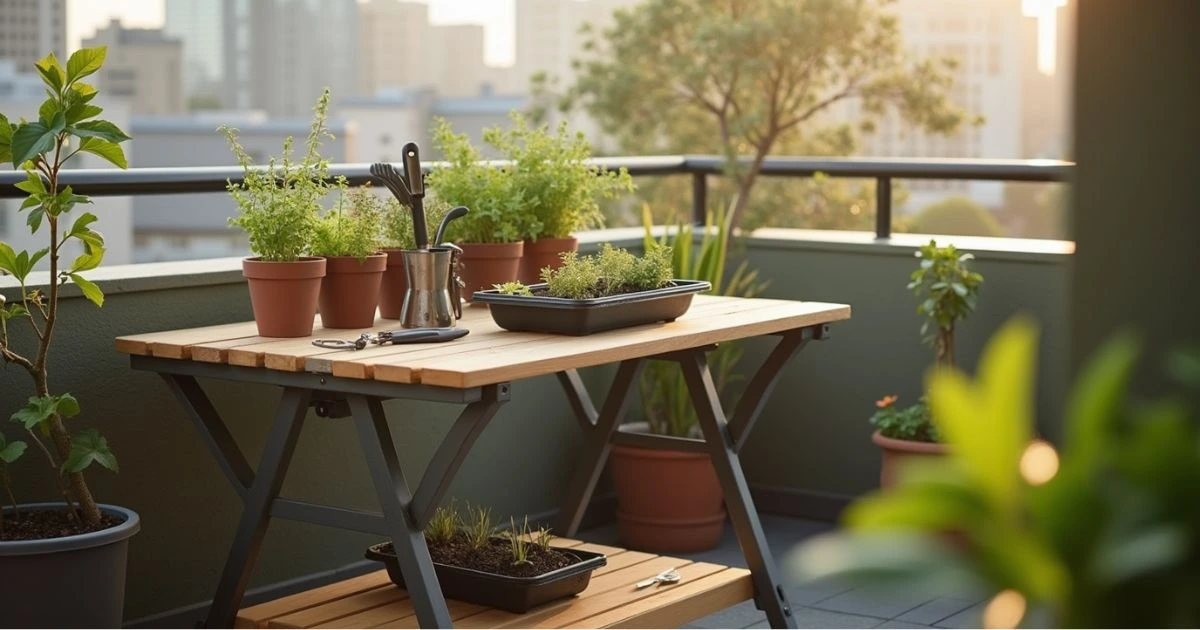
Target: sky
[{"x": 497, "y": 17}]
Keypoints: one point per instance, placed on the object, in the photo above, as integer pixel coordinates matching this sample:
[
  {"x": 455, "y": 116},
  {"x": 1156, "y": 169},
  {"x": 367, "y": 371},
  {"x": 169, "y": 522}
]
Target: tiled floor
[{"x": 826, "y": 605}]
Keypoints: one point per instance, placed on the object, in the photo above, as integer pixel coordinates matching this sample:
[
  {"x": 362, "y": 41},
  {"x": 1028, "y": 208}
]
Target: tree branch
[{"x": 847, "y": 92}]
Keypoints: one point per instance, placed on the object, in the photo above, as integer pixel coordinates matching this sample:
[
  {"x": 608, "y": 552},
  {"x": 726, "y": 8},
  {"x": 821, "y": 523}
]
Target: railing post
[
  {"x": 883, "y": 207},
  {"x": 699, "y": 198}
]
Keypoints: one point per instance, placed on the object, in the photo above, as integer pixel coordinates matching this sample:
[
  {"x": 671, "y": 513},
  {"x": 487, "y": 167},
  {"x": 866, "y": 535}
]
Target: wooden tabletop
[{"x": 488, "y": 354}]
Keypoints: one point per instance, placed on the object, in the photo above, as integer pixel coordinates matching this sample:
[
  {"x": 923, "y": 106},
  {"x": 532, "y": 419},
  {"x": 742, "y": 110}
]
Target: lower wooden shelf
[{"x": 610, "y": 601}]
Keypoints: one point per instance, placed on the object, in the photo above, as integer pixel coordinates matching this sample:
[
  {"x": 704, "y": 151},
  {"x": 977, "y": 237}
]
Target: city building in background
[
  {"x": 143, "y": 65},
  {"x": 298, "y": 48},
  {"x": 30, "y": 29},
  {"x": 200, "y": 26}
]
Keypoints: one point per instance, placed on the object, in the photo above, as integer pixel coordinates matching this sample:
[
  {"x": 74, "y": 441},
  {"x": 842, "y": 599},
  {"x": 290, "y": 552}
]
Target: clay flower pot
[
  {"x": 896, "y": 452},
  {"x": 667, "y": 501},
  {"x": 393, "y": 286},
  {"x": 350, "y": 291},
  {"x": 483, "y": 265},
  {"x": 544, "y": 252},
  {"x": 284, "y": 294}
]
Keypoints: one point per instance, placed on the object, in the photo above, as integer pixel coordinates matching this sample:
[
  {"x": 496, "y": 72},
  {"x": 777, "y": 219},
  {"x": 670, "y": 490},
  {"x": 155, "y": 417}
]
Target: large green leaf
[
  {"x": 107, "y": 150},
  {"x": 52, "y": 72},
  {"x": 85, "y": 61},
  {"x": 89, "y": 289},
  {"x": 30, "y": 140},
  {"x": 919, "y": 562},
  {"x": 10, "y": 451},
  {"x": 6, "y": 134},
  {"x": 89, "y": 447},
  {"x": 101, "y": 129},
  {"x": 1095, "y": 402}
]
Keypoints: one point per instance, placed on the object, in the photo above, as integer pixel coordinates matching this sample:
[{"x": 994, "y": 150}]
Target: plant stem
[
  {"x": 66, "y": 494},
  {"x": 945, "y": 347},
  {"x": 7, "y": 481}
]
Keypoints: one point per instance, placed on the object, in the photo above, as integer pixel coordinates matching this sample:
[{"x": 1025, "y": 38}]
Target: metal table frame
[{"x": 406, "y": 510}]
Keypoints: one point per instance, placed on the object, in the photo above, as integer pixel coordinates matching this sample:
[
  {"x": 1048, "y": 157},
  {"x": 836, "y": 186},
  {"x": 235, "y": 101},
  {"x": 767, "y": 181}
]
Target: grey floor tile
[
  {"x": 969, "y": 618},
  {"x": 738, "y": 616},
  {"x": 760, "y": 624},
  {"x": 876, "y": 602},
  {"x": 941, "y": 608},
  {"x": 893, "y": 623},
  {"x": 812, "y": 618},
  {"x": 813, "y": 592}
]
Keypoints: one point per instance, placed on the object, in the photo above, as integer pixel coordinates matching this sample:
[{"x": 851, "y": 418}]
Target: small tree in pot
[
  {"x": 948, "y": 291},
  {"x": 61, "y": 564}
]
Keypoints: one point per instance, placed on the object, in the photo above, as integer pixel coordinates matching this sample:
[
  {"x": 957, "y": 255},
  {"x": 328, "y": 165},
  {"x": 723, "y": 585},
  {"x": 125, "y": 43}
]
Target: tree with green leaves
[
  {"x": 742, "y": 78},
  {"x": 955, "y": 215},
  {"x": 66, "y": 126}
]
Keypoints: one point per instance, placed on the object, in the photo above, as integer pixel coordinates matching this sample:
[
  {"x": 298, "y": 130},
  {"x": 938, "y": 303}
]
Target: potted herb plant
[
  {"x": 490, "y": 236},
  {"x": 278, "y": 209},
  {"x": 558, "y": 188},
  {"x": 947, "y": 291},
  {"x": 348, "y": 238},
  {"x": 398, "y": 236},
  {"x": 62, "y": 564},
  {"x": 514, "y": 570}
]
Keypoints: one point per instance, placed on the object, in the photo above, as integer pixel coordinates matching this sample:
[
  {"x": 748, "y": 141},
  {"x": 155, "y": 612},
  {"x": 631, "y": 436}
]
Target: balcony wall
[{"x": 810, "y": 453}]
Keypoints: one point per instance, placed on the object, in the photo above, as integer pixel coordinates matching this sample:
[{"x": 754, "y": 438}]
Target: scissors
[
  {"x": 395, "y": 337},
  {"x": 670, "y": 576}
]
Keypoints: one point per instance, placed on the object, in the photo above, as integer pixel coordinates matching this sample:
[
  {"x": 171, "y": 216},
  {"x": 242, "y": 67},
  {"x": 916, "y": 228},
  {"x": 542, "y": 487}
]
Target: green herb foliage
[
  {"x": 443, "y": 525},
  {"x": 279, "y": 205},
  {"x": 559, "y": 189},
  {"x": 398, "y": 224},
  {"x": 518, "y": 541},
  {"x": 513, "y": 288},
  {"x": 66, "y": 126},
  {"x": 542, "y": 536},
  {"x": 611, "y": 272},
  {"x": 904, "y": 423},
  {"x": 351, "y": 228},
  {"x": 497, "y": 207},
  {"x": 478, "y": 526},
  {"x": 947, "y": 290}
]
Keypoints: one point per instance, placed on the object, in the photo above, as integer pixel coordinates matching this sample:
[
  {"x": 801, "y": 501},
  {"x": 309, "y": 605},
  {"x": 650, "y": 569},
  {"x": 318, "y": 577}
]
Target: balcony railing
[{"x": 158, "y": 181}]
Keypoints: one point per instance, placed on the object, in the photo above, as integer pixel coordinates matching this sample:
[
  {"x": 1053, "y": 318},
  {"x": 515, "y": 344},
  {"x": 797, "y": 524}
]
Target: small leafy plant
[
  {"x": 611, "y": 272},
  {"x": 443, "y": 525},
  {"x": 513, "y": 288},
  {"x": 518, "y": 541},
  {"x": 908, "y": 423},
  {"x": 478, "y": 526},
  {"x": 351, "y": 228},
  {"x": 947, "y": 290},
  {"x": 542, "y": 537},
  {"x": 397, "y": 220},
  {"x": 279, "y": 206},
  {"x": 498, "y": 211},
  {"x": 550, "y": 170},
  {"x": 67, "y": 125}
]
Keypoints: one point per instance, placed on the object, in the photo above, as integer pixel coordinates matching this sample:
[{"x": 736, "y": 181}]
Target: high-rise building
[
  {"x": 457, "y": 60},
  {"x": 198, "y": 25},
  {"x": 548, "y": 36},
  {"x": 29, "y": 29},
  {"x": 297, "y": 48},
  {"x": 394, "y": 40},
  {"x": 143, "y": 65}
]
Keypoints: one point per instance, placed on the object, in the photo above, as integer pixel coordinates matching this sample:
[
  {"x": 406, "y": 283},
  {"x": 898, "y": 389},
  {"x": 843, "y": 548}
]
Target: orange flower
[{"x": 886, "y": 401}]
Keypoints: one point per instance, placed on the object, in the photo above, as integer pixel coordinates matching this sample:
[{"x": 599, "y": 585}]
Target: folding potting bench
[{"x": 476, "y": 371}]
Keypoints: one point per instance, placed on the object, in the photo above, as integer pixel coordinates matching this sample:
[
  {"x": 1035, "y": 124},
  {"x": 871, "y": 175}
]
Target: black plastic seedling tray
[
  {"x": 514, "y": 594},
  {"x": 541, "y": 313}
]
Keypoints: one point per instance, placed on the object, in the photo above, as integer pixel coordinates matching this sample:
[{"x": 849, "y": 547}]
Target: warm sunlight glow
[
  {"x": 1039, "y": 463},
  {"x": 1005, "y": 610},
  {"x": 1046, "y": 12}
]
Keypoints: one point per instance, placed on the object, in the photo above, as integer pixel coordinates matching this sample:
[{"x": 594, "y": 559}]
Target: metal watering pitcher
[{"x": 434, "y": 295}]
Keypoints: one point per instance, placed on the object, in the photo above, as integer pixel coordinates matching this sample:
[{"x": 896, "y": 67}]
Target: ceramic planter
[
  {"x": 69, "y": 582},
  {"x": 514, "y": 594},
  {"x": 897, "y": 452},
  {"x": 544, "y": 252},
  {"x": 393, "y": 285},
  {"x": 284, "y": 294},
  {"x": 350, "y": 291},
  {"x": 542, "y": 313},
  {"x": 483, "y": 265},
  {"x": 667, "y": 501}
]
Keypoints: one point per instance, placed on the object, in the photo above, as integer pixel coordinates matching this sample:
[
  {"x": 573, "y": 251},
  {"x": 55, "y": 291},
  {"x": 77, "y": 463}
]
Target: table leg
[
  {"x": 277, "y": 454},
  {"x": 394, "y": 499},
  {"x": 768, "y": 589}
]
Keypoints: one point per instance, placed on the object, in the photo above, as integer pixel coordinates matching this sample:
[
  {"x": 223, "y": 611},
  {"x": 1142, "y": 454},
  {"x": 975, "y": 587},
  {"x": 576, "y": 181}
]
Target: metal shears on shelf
[
  {"x": 395, "y": 337},
  {"x": 670, "y": 576}
]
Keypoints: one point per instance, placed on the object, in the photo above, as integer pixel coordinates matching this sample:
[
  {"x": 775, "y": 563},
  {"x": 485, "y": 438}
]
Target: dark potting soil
[
  {"x": 495, "y": 557},
  {"x": 43, "y": 524}
]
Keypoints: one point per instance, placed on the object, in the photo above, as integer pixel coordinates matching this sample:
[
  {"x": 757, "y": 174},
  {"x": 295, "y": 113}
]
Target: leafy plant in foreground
[
  {"x": 611, "y": 272},
  {"x": 66, "y": 125},
  {"x": 351, "y": 228}
]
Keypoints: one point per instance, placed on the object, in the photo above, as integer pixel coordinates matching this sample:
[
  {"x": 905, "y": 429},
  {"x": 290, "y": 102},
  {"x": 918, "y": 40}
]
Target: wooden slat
[
  {"x": 258, "y": 616},
  {"x": 484, "y": 368},
  {"x": 673, "y": 606},
  {"x": 181, "y": 339},
  {"x": 320, "y": 615}
]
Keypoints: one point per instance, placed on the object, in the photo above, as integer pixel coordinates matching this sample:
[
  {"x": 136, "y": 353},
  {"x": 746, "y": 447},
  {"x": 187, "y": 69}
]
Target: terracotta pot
[
  {"x": 393, "y": 286},
  {"x": 896, "y": 452},
  {"x": 667, "y": 501},
  {"x": 284, "y": 294},
  {"x": 350, "y": 291},
  {"x": 544, "y": 252},
  {"x": 482, "y": 265}
]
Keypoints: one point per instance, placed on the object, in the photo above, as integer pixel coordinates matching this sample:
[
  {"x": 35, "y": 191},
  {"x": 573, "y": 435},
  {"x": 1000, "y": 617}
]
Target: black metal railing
[{"x": 162, "y": 181}]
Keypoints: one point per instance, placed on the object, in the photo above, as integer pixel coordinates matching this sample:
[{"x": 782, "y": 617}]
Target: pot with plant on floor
[
  {"x": 398, "y": 236},
  {"x": 947, "y": 290},
  {"x": 348, "y": 238},
  {"x": 62, "y": 564},
  {"x": 558, "y": 188},
  {"x": 514, "y": 570},
  {"x": 278, "y": 208},
  {"x": 490, "y": 236}
]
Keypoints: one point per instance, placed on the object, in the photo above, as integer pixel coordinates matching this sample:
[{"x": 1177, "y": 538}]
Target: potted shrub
[
  {"x": 278, "y": 209},
  {"x": 398, "y": 236},
  {"x": 670, "y": 501},
  {"x": 348, "y": 238},
  {"x": 62, "y": 564},
  {"x": 490, "y": 236},
  {"x": 514, "y": 570},
  {"x": 947, "y": 291},
  {"x": 559, "y": 189}
]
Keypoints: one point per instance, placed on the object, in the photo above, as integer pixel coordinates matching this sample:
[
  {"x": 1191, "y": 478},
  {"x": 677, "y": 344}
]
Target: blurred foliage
[
  {"x": 1108, "y": 536},
  {"x": 910, "y": 423},
  {"x": 955, "y": 215}
]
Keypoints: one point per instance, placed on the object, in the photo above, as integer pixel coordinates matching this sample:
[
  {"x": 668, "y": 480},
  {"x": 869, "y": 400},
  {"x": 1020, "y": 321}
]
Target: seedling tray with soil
[
  {"x": 488, "y": 576},
  {"x": 540, "y": 312}
]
